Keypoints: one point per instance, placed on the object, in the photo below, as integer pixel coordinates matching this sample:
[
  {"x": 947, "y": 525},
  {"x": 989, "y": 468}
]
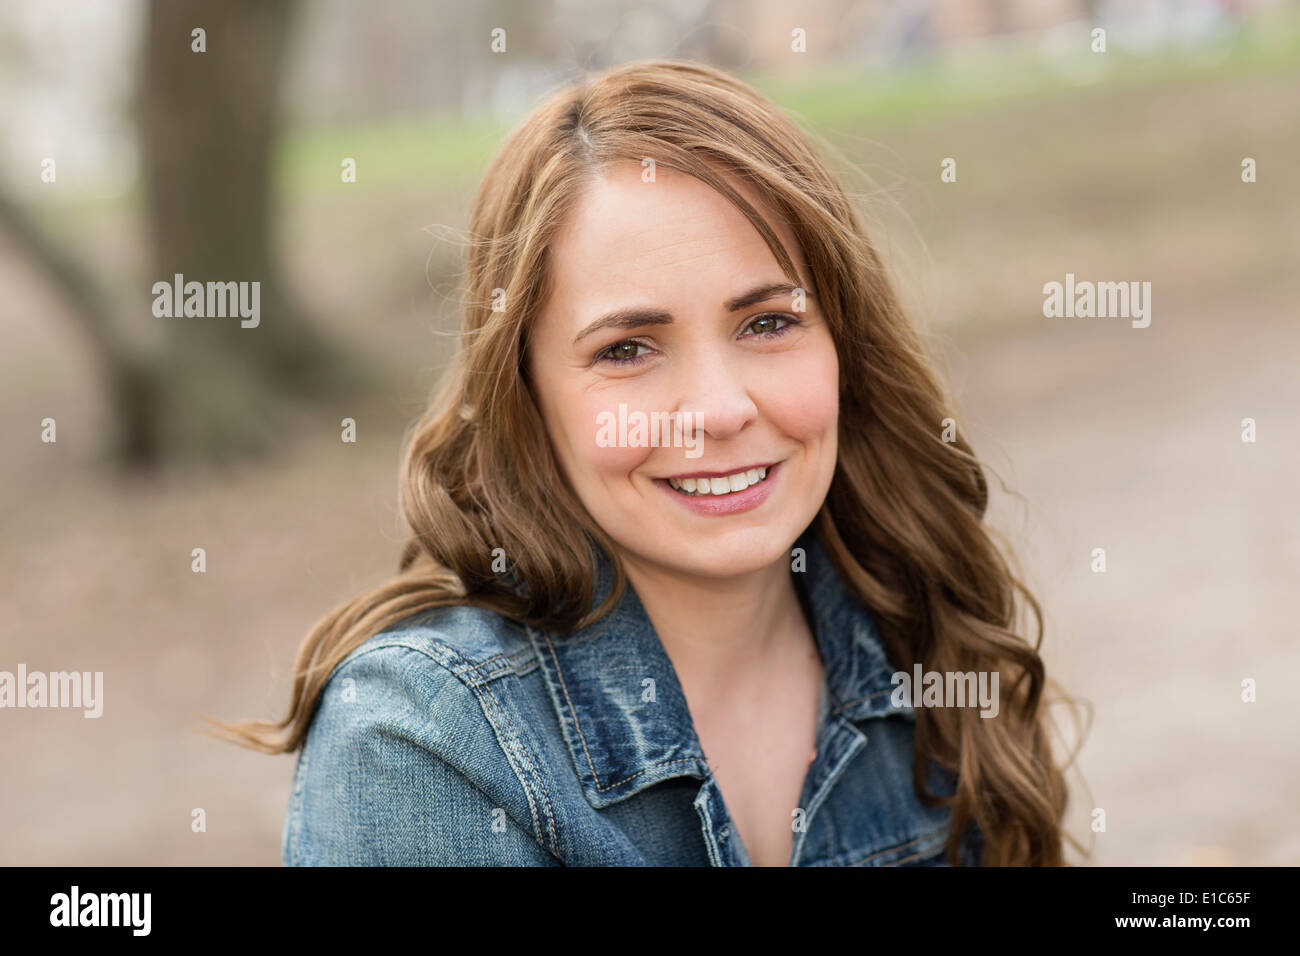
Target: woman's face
[{"x": 755, "y": 380}]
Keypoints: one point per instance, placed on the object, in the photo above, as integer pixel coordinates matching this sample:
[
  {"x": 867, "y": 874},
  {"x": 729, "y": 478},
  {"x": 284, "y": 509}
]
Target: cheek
[
  {"x": 803, "y": 398},
  {"x": 595, "y": 459}
]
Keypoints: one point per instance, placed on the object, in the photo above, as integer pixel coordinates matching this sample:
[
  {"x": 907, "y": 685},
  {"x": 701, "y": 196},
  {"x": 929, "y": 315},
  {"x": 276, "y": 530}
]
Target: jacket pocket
[{"x": 924, "y": 850}]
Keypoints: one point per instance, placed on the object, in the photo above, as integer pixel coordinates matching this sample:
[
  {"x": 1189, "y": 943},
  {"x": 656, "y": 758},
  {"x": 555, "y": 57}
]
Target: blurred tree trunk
[
  {"x": 208, "y": 123},
  {"x": 133, "y": 391}
]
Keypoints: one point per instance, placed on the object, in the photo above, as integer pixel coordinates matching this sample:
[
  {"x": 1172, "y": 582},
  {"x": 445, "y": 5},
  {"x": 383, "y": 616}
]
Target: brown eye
[
  {"x": 766, "y": 325},
  {"x": 621, "y": 353}
]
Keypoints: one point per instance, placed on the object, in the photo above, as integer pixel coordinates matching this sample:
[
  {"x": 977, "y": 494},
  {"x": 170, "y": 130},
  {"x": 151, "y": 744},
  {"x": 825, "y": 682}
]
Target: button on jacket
[{"x": 459, "y": 738}]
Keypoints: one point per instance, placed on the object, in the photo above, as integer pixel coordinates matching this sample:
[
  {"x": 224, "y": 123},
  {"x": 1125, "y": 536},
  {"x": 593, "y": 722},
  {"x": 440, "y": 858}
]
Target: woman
[{"x": 684, "y": 518}]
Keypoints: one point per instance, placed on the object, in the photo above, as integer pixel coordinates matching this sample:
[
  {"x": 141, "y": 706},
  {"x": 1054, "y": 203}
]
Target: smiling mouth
[{"x": 718, "y": 487}]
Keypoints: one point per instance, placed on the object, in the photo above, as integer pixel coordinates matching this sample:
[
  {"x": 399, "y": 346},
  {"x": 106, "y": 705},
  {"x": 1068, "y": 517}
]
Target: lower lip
[{"x": 734, "y": 503}]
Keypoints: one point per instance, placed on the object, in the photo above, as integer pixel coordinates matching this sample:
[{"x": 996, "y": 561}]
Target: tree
[{"x": 208, "y": 120}]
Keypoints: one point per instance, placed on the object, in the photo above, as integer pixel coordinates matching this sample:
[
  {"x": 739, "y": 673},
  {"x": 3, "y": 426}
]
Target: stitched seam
[
  {"x": 916, "y": 856},
  {"x": 503, "y": 656},
  {"x": 939, "y": 836},
  {"x": 460, "y": 669},
  {"x": 482, "y": 676},
  {"x": 666, "y": 763},
  {"x": 901, "y": 846},
  {"x": 469, "y": 668},
  {"x": 541, "y": 783},
  {"x": 581, "y": 736},
  {"x": 295, "y": 809},
  {"x": 711, "y": 841},
  {"x": 490, "y": 799},
  {"x": 480, "y": 668},
  {"x": 833, "y": 776},
  {"x": 464, "y": 665},
  {"x": 872, "y": 696},
  {"x": 892, "y": 849},
  {"x": 515, "y": 743},
  {"x": 565, "y": 688},
  {"x": 513, "y": 749}
]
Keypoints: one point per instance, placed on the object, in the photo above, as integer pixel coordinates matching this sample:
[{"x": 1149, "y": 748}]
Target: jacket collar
[{"x": 621, "y": 707}]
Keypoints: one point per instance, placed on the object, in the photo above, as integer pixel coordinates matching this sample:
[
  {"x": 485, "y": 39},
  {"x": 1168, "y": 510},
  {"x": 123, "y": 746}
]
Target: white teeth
[{"x": 719, "y": 486}]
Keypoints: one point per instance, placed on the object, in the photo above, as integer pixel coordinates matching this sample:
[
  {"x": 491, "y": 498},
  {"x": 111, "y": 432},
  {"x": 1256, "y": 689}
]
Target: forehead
[{"x": 663, "y": 243}]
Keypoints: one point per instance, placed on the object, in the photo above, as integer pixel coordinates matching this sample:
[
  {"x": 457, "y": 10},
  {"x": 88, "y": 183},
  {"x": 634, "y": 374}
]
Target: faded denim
[{"x": 458, "y": 738}]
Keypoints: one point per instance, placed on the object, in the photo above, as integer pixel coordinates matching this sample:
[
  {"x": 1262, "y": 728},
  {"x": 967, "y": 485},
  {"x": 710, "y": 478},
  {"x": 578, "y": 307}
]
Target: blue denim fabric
[{"x": 457, "y": 737}]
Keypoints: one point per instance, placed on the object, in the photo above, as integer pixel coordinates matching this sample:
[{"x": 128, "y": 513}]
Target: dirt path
[
  {"x": 1130, "y": 440},
  {"x": 1118, "y": 438}
]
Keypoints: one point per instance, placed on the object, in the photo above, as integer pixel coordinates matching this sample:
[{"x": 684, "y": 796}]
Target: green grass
[
  {"x": 838, "y": 96},
  {"x": 393, "y": 151},
  {"x": 444, "y": 154}
]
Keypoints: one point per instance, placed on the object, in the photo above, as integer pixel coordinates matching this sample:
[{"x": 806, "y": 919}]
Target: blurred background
[{"x": 126, "y": 157}]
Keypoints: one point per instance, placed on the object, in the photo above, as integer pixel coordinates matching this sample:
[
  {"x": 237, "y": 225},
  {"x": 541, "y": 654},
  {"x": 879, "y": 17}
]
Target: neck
[{"x": 721, "y": 633}]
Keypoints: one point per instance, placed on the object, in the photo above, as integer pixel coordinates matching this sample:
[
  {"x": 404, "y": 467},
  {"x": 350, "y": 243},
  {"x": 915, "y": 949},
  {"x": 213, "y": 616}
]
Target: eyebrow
[{"x": 638, "y": 318}]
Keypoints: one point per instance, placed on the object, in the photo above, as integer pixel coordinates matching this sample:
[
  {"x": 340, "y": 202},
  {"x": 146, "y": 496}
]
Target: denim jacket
[{"x": 460, "y": 738}]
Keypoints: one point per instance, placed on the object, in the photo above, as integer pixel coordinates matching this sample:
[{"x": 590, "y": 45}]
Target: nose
[{"x": 717, "y": 396}]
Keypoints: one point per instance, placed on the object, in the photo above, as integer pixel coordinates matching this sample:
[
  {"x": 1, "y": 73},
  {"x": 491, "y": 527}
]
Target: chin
[{"x": 726, "y": 555}]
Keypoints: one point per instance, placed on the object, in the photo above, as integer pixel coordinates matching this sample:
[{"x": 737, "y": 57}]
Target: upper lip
[{"x": 722, "y": 474}]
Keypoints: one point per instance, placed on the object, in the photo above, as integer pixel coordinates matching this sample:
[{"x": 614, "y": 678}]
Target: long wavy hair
[{"x": 903, "y": 520}]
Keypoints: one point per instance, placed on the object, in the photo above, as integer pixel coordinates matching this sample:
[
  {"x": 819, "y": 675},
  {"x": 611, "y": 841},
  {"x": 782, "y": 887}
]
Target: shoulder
[
  {"x": 468, "y": 642},
  {"x": 427, "y": 676},
  {"x": 411, "y": 754}
]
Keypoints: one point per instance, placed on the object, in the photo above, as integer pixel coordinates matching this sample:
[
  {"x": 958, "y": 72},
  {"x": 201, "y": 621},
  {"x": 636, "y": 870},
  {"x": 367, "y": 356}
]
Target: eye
[
  {"x": 622, "y": 353},
  {"x": 627, "y": 353},
  {"x": 766, "y": 327}
]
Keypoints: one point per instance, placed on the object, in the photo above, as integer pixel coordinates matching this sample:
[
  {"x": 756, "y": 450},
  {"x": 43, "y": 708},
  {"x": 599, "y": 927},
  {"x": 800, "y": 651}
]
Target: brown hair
[{"x": 904, "y": 517}]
